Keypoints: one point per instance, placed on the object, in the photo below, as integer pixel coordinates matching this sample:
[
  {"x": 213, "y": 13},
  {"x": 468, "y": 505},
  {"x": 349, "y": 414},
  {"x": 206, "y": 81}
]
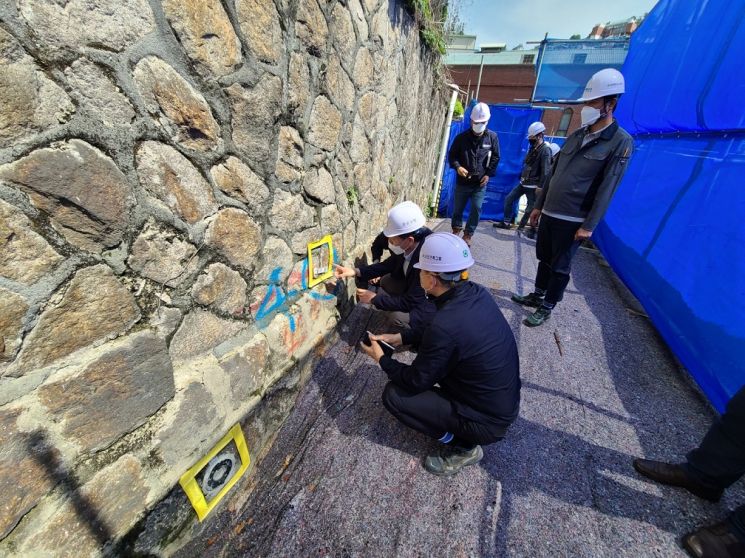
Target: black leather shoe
[
  {"x": 676, "y": 475},
  {"x": 714, "y": 541}
]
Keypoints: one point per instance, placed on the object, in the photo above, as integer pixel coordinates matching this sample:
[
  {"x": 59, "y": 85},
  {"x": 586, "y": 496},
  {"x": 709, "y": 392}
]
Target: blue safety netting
[
  {"x": 564, "y": 67},
  {"x": 675, "y": 231},
  {"x": 511, "y": 124}
]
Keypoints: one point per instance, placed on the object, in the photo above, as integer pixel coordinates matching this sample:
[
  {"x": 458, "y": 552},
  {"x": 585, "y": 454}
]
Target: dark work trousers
[
  {"x": 433, "y": 414},
  {"x": 464, "y": 193},
  {"x": 509, "y": 202},
  {"x": 395, "y": 287},
  {"x": 555, "y": 248},
  {"x": 720, "y": 459}
]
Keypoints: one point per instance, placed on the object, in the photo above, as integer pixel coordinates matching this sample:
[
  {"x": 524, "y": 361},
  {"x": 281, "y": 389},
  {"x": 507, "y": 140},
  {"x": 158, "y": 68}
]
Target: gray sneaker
[{"x": 450, "y": 460}]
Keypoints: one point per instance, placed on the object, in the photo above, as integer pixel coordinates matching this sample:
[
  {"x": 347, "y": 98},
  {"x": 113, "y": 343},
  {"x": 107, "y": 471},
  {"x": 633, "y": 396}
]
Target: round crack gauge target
[
  {"x": 212, "y": 477},
  {"x": 218, "y": 472}
]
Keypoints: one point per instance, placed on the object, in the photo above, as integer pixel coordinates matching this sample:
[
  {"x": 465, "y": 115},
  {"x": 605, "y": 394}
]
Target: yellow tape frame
[
  {"x": 312, "y": 246},
  {"x": 188, "y": 480}
]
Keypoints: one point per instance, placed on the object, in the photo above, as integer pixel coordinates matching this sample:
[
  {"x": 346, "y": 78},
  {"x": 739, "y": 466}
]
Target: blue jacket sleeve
[{"x": 436, "y": 354}]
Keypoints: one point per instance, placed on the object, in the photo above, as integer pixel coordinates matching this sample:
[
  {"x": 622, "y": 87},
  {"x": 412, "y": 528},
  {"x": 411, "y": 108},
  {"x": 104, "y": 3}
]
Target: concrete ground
[{"x": 599, "y": 388}]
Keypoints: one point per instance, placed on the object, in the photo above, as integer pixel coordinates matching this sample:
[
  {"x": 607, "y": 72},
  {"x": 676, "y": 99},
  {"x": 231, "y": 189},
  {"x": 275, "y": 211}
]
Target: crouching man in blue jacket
[{"x": 468, "y": 350}]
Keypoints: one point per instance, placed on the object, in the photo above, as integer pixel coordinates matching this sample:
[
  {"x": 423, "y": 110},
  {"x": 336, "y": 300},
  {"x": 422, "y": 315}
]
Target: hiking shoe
[
  {"x": 456, "y": 230},
  {"x": 449, "y": 460},
  {"x": 714, "y": 541},
  {"x": 538, "y": 317},
  {"x": 502, "y": 225},
  {"x": 533, "y": 299},
  {"x": 467, "y": 239}
]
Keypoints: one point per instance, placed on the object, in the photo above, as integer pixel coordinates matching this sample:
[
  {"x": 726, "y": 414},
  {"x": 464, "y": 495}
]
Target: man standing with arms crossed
[
  {"x": 474, "y": 156},
  {"x": 586, "y": 174}
]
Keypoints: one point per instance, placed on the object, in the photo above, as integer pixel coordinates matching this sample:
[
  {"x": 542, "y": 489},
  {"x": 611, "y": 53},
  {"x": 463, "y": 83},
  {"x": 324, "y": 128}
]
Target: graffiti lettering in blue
[{"x": 276, "y": 300}]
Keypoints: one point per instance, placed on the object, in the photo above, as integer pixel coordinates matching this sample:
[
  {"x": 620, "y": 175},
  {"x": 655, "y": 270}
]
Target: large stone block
[
  {"x": 359, "y": 151},
  {"x": 237, "y": 180},
  {"x": 246, "y": 367},
  {"x": 277, "y": 261},
  {"x": 289, "y": 212},
  {"x": 95, "y": 306},
  {"x": 298, "y": 83},
  {"x": 320, "y": 185},
  {"x": 103, "y": 100},
  {"x": 25, "y": 475},
  {"x": 221, "y": 288},
  {"x": 192, "y": 428},
  {"x": 342, "y": 33},
  {"x": 86, "y": 196},
  {"x": 325, "y": 124},
  {"x": 205, "y": 32},
  {"x": 30, "y": 102},
  {"x": 259, "y": 23},
  {"x": 162, "y": 256},
  {"x": 179, "y": 108},
  {"x": 331, "y": 220},
  {"x": 338, "y": 84},
  {"x": 24, "y": 255},
  {"x": 235, "y": 235},
  {"x": 199, "y": 333},
  {"x": 254, "y": 112},
  {"x": 171, "y": 178},
  {"x": 290, "y": 163},
  {"x": 106, "y": 507},
  {"x": 12, "y": 310},
  {"x": 106, "y": 24},
  {"x": 363, "y": 69},
  {"x": 115, "y": 393},
  {"x": 311, "y": 26},
  {"x": 299, "y": 242},
  {"x": 358, "y": 17}
]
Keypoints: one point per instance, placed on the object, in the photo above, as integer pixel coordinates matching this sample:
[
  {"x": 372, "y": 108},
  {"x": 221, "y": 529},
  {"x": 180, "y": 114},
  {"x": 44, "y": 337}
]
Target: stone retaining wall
[{"x": 163, "y": 165}]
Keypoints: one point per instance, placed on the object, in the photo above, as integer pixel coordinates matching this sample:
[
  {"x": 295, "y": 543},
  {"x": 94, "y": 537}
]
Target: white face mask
[
  {"x": 589, "y": 115},
  {"x": 478, "y": 127},
  {"x": 395, "y": 249}
]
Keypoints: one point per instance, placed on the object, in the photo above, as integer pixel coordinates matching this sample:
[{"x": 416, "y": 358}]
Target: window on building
[
  {"x": 566, "y": 118},
  {"x": 580, "y": 58},
  {"x": 528, "y": 58}
]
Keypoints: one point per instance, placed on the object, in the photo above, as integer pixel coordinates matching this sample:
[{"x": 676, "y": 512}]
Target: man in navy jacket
[
  {"x": 400, "y": 293},
  {"x": 463, "y": 388}
]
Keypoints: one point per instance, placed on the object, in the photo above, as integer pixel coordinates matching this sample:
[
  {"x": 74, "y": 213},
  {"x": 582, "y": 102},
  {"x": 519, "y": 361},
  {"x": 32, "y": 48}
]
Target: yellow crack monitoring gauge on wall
[
  {"x": 320, "y": 260},
  {"x": 215, "y": 474}
]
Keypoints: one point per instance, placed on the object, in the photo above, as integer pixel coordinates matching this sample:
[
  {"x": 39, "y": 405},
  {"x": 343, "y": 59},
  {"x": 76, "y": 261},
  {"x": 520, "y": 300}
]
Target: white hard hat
[
  {"x": 404, "y": 218},
  {"x": 480, "y": 113},
  {"x": 603, "y": 83},
  {"x": 444, "y": 252},
  {"x": 554, "y": 147},
  {"x": 536, "y": 128}
]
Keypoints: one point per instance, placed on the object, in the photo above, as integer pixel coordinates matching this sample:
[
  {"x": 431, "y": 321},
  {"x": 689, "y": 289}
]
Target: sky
[{"x": 514, "y": 22}]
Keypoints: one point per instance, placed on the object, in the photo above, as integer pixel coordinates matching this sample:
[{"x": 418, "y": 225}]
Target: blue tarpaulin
[
  {"x": 510, "y": 122},
  {"x": 675, "y": 231}
]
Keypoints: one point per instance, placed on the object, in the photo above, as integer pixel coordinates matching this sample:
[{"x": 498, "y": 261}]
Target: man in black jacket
[
  {"x": 400, "y": 293},
  {"x": 474, "y": 156},
  {"x": 468, "y": 350},
  {"x": 585, "y": 176},
  {"x": 535, "y": 173}
]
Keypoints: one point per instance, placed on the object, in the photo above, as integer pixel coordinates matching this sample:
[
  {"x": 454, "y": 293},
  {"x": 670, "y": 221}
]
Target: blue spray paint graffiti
[{"x": 276, "y": 300}]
